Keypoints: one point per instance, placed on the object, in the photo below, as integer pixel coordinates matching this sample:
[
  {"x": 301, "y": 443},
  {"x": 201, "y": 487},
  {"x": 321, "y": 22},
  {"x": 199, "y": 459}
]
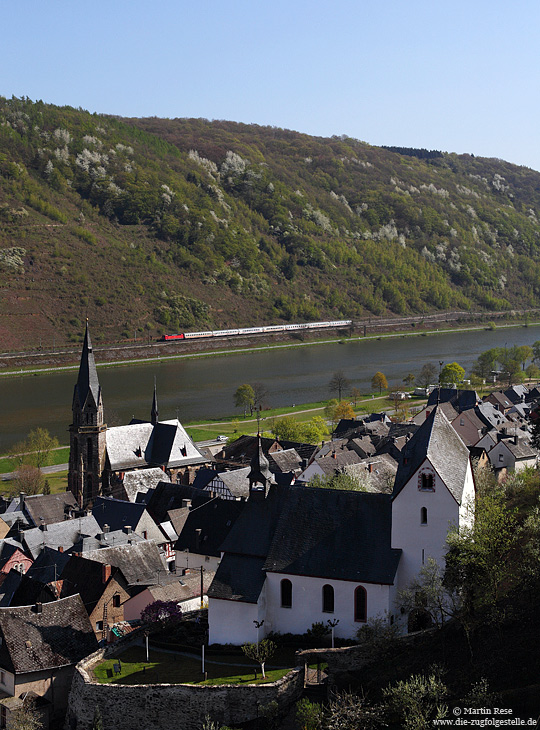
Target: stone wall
[{"x": 171, "y": 706}]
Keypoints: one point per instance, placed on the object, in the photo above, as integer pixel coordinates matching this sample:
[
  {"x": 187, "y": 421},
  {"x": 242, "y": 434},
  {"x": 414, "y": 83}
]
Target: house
[
  {"x": 117, "y": 514},
  {"x": 460, "y": 400},
  {"x": 141, "y": 563},
  {"x": 60, "y": 535},
  {"x": 184, "y": 590},
  {"x": 44, "y": 509},
  {"x": 512, "y": 454},
  {"x": 500, "y": 400},
  {"x": 203, "y": 532},
  {"x": 300, "y": 555},
  {"x": 39, "y": 647},
  {"x": 12, "y": 557},
  {"x": 134, "y": 483}
]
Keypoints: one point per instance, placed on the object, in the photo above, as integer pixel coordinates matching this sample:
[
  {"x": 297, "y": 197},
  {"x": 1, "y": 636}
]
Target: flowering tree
[{"x": 164, "y": 611}]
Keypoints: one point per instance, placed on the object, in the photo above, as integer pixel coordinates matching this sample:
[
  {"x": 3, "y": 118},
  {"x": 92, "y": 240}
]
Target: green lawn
[
  {"x": 58, "y": 456},
  {"x": 57, "y": 482},
  {"x": 165, "y": 668}
]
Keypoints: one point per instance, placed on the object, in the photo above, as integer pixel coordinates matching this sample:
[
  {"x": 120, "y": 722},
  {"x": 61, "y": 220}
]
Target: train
[{"x": 256, "y": 330}]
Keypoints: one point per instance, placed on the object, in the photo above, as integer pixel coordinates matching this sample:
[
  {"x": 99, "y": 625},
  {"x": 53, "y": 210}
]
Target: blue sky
[{"x": 457, "y": 76}]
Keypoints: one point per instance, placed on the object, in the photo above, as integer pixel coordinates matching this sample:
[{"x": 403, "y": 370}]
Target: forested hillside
[{"x": 152, "y": 225}]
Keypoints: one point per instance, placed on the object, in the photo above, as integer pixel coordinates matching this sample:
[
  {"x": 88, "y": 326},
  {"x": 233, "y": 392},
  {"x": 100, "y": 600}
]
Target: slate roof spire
[
  {"x": 260, "y": 467},
  {"x": 154, "y": 417},
  {"x": 87, "y": 381}
]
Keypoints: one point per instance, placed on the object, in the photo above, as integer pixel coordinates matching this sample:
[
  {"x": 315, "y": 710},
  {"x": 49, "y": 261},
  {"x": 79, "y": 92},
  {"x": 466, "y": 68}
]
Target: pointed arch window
[
  {"x": 360, "y": 604},
  {"x": 328, "y": 599},
  {"x": 89, "y": 450},
  {"x": 423, "y": 516},
  {"x": 286, "y": 593}
]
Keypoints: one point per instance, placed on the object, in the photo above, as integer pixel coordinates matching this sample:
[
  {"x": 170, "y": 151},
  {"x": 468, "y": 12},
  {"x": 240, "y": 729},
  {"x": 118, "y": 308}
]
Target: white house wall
[
  {"x": 231, "y": 622},
  {"x": 421, "y": 541},
  {"x": 307, "y": 604},
  {"x": 193, "y": 561}
]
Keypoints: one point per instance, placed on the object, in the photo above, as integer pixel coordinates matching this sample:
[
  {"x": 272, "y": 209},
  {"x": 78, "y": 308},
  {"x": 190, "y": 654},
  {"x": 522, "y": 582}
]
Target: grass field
[{"x": 175, "y": 669}]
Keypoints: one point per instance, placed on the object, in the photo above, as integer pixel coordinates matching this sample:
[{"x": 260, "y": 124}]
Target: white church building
[{"x": 299, "y": 555}]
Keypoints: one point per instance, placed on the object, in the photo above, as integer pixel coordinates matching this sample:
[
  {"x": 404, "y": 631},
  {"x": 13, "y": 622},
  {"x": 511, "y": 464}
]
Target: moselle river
[{"x": 201, "y": 388}]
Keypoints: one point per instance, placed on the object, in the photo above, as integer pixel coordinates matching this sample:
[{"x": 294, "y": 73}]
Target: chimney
[
  {"x": 43, "y": 527},
  {"x": 370, "y": 467},
  {"x": 516, "y": 439},
  {"x": 186, "y": 503},
  {"x": 186, "y": 571},
  {"x": 38, "y": 607},
  {"x": 198, "y": 533},
  {"x": 60, "y": 548},
  {"x": 106, "y": 529},
  {"x": 105, "y": 572},
  {"x": 127, "y": 529},
  {"x": 22, "y": 495}
]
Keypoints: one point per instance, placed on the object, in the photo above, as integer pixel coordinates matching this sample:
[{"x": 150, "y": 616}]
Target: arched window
[
  {"x": 427, "y": 482},
  {"x": 328, "y": 599},
  {"x": 286, "y": 593},
  {"x": 423, "y": 516},
  {"x": 89, "y": 450},
  {"x": 75, "y": 449},
  {"x": 360, "y": 604}
]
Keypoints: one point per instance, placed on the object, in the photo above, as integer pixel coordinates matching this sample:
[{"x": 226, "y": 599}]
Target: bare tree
[{"x": 338, "y": 382}]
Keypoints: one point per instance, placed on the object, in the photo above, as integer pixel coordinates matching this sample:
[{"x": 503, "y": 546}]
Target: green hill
[{"x": 153, "y": 225}]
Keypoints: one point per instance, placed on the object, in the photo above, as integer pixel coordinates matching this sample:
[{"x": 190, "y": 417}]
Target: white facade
[
  {"x": 307, "y": 604},
  {"x": 421, "y": 519},
  {"x": 232, "y": 622},
  {"x": 193, "y": 561}
]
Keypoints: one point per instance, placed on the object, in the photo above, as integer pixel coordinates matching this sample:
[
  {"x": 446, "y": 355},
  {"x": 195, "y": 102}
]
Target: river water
[{"x": 200, "y": 388}]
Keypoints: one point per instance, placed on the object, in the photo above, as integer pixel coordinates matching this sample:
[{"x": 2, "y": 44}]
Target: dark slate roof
[
  {"x": 85, "y": 577},
  {"x": 215, "y": 519},
  {"x": 182, "y": 588},
  {"x": 334, "y": 534},
  {"x": 238, "y": 578},
  {"x": 87, "y": 380},
  {"x": 254, "y": 529},
  {"x": 141, "y": 564},
  {"x": 31, "y": 590},
  {"x": 48, "y": 566},
  {"x": 237, "y": 481},
  {"x": 141, "y": 481},
  {"x": 244, "y": 447},
  {"x": 9, "y": 585},
  {"x": 104, "y": 540},
  {"x": 437, "y": 441},
  {"x": 167, "y": 496},
  {"x": 60, "y": 635},
  {"x": 286, "y": 460},
  {"x": 49, "y": 508},
  {"x": 203, "y": 477},
  {"x": 345, "y": 426},
  {"x": 490, "y": 415},
  {"x": 459, "y": 399},
  {"x": 516, "y": 393},
  {"x": 117, "y": 513}
]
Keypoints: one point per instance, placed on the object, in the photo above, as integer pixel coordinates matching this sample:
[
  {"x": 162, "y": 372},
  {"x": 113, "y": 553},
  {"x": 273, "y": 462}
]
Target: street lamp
[{"x": 332, "y": 623}]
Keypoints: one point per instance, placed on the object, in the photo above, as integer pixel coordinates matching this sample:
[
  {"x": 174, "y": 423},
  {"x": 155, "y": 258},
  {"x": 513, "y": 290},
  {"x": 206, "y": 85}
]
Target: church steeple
[
  {"x": 87, "y": 382},
  {"x": 154, "y": 417},
  {"x": 259, "y": 475},
  {"x": 87, "y": 432}
]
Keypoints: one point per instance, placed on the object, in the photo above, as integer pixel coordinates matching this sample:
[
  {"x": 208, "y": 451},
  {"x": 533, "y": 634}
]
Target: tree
[
  {"x": 409, "y": 380},
  {"x": 339, "y": 480},
  {"x": 428, "y": 593},
  {"x": 485, "y": 363},
  {"x": 344, "y": 410},
  {"x": 417, "y": 701},
  {"x": 29, "y": 479},
  {"x": 244, "y": 397},
  {"x": 524, "y": 353},
  {"x": 40, "y": 444},
  {"x": 478, "y": 561},
  {"x": 536, "y": 350},
  {"x": 260, "y": 395},
  {"x": 166, "y": 612},
  {"x": 427, "y": 375},
  {"x": 260, "y": 652},
  {"x": 287, "y": 428},
  {"x": 355, "y": 395},
  {"x": 97, "y": 724},
  {"x": 452, "y": 373},
  {"x": 338, "y": 383},
  {"x": 26, "y": 717},
  {"x": 379, "y": 381},
  {"x": 532, "y": 371}
]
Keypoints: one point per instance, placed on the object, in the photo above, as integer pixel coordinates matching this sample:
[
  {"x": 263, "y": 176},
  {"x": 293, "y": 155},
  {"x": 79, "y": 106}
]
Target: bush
[{"x": 309, "y": 715}]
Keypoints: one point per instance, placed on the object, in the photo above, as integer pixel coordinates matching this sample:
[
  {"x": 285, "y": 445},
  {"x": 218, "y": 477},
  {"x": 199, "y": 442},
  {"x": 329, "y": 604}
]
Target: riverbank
[{"x": 17, "y": 365}]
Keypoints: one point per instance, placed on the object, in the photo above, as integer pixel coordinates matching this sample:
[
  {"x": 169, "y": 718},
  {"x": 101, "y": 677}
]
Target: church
[{"x": 106, "y": 461}]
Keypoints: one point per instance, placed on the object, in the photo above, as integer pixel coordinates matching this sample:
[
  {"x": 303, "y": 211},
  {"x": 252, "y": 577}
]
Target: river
[{"x": 201, "y": 388}]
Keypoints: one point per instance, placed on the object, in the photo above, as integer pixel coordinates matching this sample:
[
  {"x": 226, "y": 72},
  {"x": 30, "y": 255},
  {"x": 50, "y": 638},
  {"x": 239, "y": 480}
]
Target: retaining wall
[{"x": 171, "y": 706}]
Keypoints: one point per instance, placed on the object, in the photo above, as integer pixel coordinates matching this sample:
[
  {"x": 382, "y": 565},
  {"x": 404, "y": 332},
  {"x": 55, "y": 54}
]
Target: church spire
[
  {"x": 87, "y": 381},
  {"x": 260, "y": 468},
  {"x": 154, "y": 417}
]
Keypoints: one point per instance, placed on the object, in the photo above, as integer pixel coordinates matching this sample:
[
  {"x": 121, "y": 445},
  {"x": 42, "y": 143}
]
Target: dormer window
[{"x": 426, "y": 482}]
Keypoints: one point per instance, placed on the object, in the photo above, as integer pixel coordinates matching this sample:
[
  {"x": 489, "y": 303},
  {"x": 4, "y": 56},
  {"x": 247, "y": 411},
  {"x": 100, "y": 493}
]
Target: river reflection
[{"x": 203, "y": 387}]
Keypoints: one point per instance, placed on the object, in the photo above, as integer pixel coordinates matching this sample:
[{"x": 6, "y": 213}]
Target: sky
[{"x": 460, "y": 76}]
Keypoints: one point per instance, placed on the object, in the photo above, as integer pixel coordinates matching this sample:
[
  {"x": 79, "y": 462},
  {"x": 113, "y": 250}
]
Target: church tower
[
  {"x": 259, "y": 476},
  {"x": 87, "y": 432}
]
